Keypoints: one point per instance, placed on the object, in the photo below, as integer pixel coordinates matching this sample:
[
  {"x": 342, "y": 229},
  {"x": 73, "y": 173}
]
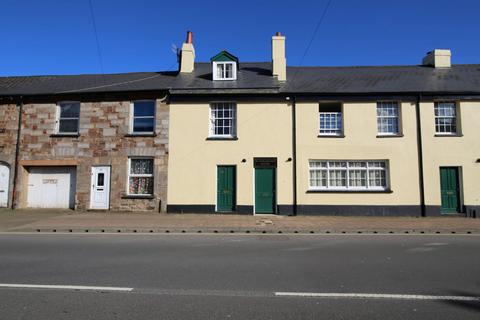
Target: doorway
[
  {"x": 450, "y": 190},
  {"x": 100, "y": 192},
  {"x": 226, "y": 188}
]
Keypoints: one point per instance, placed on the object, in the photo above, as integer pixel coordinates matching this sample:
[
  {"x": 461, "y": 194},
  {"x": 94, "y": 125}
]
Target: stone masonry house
[
  {"x": 85, "y": 142},
  {"x": 228, "y": 136}
]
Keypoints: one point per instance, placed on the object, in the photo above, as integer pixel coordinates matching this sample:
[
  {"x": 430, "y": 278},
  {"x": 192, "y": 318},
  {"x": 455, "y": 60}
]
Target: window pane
[
  {"x": 228, "y": 71},
  {"x": 445, "y": 117},
  {"x": 141, "y": 166},
  {"x": 100, "y": 179},
  {"x": 330, "y": 123},
  {"x": 376, "y": 164},
  {"x": 68, "y": 125},
  {"x": 353, "y": 174},
  {"x": 223, "y": 118},
  {"x": 143, "y": 125},
  {"x": 338, "y": 178},
  {"x": 318, "y": 164},
  {"x": 357, "y": 178},
  {"x": 220, "y": 71},
  {"x": 143, "y": 108},
  {"x": 318, "y": 178},
  {"x": 141, "y": 185},
  {"x": 387, "y": 117},
  {"x": 338, "y": 164},
  {"x": 357, "y": 164},
  {"x": 69, "y": 110},
  {"x": 377, "y": 178}
]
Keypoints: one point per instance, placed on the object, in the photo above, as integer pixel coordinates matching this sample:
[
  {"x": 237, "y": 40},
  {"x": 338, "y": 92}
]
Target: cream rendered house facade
[{"x": 324, "y": 140}]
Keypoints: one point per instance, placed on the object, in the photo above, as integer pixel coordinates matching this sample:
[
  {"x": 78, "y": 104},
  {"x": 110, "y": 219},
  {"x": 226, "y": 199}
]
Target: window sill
[
  {"x": 389, "y": 135},
  {"x": 331, "y": 136},
  {"x": 448, "y": 135},
  {"x": 222, "y": 138},
  {"x": 138, "y": 196},
  {"x": 350, "y": 191},
  {"x": 141, "y": 135},
  {"x": 65, "y": 135}
]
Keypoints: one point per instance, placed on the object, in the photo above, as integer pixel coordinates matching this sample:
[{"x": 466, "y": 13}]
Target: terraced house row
[{"x": 229, "y": 136}]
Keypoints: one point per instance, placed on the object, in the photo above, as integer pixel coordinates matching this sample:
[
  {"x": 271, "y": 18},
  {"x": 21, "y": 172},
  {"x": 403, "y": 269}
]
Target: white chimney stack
[
  {"x": 187, "y": 55},
  {"x": 279, "y": 62},
  {"x": 438, "y": 58}
]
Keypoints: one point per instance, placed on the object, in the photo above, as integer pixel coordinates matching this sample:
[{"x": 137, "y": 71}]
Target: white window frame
[
  {"x": 131, "y": 117},
  {"x": 234, "y": 70},
  {"x": 368, "y": 168},
  {"x": 129, "y": 175},
  {"x": 337, "y": 132},
  {"x": 455, "y": 117},
  {"x": 397, "y": 118},
  {"x": 58, "y": 119},
  {"x": 233, "y": 131}
]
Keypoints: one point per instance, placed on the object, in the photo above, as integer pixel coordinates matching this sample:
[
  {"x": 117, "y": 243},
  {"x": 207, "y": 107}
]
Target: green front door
[
  {"x": 265, "y": 190},
  {"x": 225, "y": 188},
  {"x": 450, "y": 191}
]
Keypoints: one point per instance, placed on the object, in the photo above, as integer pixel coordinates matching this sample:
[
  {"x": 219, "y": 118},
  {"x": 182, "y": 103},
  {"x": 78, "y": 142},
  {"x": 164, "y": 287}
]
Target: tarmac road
[{"x": 157, "y": 276}]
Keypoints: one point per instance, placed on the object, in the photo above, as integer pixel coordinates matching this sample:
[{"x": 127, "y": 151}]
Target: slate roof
[
  {"x": 384, "y": 79},
  {"x": 255, "y": 77},
  {"x": 252, "y": 76},
  {"x": 42, "y": 85}
]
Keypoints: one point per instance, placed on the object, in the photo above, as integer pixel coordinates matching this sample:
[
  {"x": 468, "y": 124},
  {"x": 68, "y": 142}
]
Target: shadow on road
[{"x": 471, "y": 305}]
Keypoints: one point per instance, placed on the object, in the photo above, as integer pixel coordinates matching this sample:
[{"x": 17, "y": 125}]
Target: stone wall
[
  {"x": 103, "y": 140},
  {"x": 8, "y": 140}
]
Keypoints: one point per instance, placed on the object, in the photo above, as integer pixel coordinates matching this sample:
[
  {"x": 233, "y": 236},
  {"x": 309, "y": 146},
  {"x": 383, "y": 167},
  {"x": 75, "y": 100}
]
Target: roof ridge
[
  {"x": 382, "y": 66},
  {"x": 84, "y": 74}
]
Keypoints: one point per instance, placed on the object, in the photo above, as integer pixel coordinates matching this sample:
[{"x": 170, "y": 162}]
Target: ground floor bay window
[{"x": 358, "y": 175}]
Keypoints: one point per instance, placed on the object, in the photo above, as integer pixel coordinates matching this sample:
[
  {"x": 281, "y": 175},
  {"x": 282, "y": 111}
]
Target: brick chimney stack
[
  {"x": 187, "y": 55},
  {"x": 279, "y": 62}
]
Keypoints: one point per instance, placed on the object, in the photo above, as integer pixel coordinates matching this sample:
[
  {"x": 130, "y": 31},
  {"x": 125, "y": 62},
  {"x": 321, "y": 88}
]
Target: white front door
[
  {"x": 100, "y": 193},
  {"x": 4, "y": 182}
]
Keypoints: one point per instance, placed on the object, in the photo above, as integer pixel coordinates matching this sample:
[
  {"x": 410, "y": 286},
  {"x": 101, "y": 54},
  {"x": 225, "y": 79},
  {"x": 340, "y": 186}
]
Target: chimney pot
[
  {"x": 278, "y": 34},
  {"x": 189, "y": 37}
]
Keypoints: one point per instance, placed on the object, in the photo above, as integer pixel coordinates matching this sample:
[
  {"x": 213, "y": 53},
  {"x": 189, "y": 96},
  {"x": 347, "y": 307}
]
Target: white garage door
[{"x": 51, "y": 187}]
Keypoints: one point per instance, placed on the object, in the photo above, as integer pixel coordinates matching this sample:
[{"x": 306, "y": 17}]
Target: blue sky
[{"x": 57, "y": 36}]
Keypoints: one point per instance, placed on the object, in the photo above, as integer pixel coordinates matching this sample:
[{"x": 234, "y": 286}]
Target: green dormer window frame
[{"x": 224, "y": 66}]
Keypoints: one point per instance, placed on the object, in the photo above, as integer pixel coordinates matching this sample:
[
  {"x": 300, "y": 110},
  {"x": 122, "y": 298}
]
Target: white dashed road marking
[
  {"x": 175, "y": 292},
  {"x": 375, "y": 296},
  {"x": 62, "y": 287}
]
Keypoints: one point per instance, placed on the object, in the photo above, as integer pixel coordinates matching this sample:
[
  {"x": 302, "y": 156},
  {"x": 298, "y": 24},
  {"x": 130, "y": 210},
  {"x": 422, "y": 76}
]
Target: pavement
[
  {"x": 224, "y": 276},
  {"x": 136, "y": 222}
]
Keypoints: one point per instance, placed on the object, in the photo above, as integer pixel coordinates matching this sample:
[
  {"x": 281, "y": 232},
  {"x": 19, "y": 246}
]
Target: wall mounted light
[
  {"x": 244, "y": 160},
  {"x": 289, "y": 159}
]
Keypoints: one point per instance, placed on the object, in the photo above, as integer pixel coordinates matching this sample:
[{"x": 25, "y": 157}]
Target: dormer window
[
  {"x": 224, "y": 71},
  {"x": 224, "y": 66}
]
